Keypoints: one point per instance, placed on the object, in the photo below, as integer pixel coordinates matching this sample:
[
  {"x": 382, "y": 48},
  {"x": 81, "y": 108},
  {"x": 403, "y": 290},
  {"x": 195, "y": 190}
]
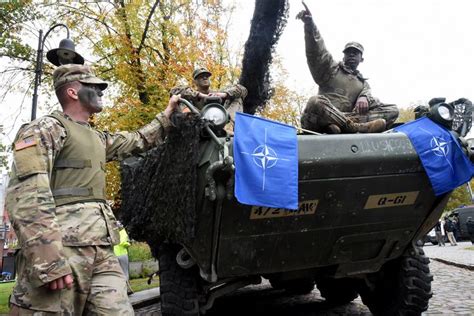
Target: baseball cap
[
  {"x": 199, "y": 71},
  {"x": 355, "y": 45},
  {"x": 73, "y": 72}
]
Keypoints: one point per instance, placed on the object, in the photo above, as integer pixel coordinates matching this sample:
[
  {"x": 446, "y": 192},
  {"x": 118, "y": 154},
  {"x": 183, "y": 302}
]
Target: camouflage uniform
[
  {"x": 74, "y": 238},
  {"x": 339, "y": 89},
  {"x": 233, "y": 103}
]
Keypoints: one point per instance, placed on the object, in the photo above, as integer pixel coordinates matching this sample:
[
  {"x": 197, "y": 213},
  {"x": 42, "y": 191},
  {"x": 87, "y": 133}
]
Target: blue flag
[
  {"x": 266, "y": 162},
  {"x": 445, "y": 163}
]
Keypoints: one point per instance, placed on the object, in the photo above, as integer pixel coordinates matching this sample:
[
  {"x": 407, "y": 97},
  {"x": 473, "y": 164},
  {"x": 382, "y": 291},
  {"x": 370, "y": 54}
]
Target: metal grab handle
[{"x": 190, "y": 106}]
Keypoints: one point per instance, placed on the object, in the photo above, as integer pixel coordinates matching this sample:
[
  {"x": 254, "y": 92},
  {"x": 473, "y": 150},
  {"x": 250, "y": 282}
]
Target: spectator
[
  {"x": 439, "y": 234},
  {"x": 450, "y": 231},
  {"x": 121, "y": 251}
]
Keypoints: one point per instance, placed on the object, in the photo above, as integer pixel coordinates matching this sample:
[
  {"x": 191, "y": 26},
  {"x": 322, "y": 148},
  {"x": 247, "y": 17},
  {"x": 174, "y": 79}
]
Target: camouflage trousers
[
  {"x": 320, "y": 113},
  {"x": 99, "y": 287}
]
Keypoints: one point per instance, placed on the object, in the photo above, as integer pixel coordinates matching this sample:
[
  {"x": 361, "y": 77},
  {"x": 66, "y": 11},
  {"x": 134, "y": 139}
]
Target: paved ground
[
  {"x": 453, "y": 287},
  {"x": 453, "y": 293},
  {"x": 455, "y": 254}
]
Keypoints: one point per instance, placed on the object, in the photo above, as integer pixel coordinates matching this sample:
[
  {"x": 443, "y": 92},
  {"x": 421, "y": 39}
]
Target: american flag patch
[{"x": 25, "y": 143}]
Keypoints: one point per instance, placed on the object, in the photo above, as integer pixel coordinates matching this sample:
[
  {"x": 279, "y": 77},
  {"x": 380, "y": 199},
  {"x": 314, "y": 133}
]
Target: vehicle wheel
[
  {"x": 297, "y": 287},
  {"x": 178, "y": 286},
  {"x": 337, "y": 291},
  {"x": 402, "y": 287}
]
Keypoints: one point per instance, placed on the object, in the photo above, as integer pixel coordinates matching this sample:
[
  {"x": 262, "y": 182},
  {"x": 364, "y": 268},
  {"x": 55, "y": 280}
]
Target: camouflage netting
[
  {"x": 268, "y": 22},
  {"x": 158, "y": 190}
]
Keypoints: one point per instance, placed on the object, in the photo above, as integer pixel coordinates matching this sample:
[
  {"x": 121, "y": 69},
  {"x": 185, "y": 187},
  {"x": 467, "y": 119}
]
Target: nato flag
[
  {"x": 444, "y": 161},
  {"x": 266, "y": 162}
]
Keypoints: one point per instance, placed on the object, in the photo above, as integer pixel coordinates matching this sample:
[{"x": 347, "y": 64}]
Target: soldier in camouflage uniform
[
  {"x": 232, "y": 96},
  {"x": 344, "y": 103},
  {"x": 56, "y": 202}
]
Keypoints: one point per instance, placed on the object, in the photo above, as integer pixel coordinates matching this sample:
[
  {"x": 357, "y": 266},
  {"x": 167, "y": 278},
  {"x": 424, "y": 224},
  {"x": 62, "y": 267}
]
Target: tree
[
  {"x": 143, "y": 48},
  {"x": 285, "y": 104},
  {"x": 406, "y": 114},
  {"x": 460, "y": 196},
  {"x": 3, "y": 157}
]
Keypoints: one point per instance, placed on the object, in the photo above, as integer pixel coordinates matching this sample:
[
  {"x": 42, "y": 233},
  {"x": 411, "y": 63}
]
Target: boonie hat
[
  {"x": 200, "y": 71},
  {"x": 73, "y": 72},
  {"x": 355, "y": 45}
]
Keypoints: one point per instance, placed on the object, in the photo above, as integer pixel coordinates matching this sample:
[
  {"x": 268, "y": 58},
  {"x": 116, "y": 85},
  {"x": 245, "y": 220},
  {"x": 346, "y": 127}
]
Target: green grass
[
  {"x": 141, "y": 284},
  {"x": 5, "y": 291},
  {"x": 136, "y": 284},
  {"x": 469, "y": 248}
]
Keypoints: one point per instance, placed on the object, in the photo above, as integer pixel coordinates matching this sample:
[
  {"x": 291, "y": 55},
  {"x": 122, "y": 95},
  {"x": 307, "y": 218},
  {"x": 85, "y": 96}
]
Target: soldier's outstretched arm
[
  {"x": 320, "y": 61},
  {"x": 125, "y": 144},
  {"x": 236, "y": 91},
  {"x": 186, "y": 92},
  {"x": 31, "y": 206}
]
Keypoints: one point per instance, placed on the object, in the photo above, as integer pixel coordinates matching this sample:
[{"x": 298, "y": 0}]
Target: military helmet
[
  {"x": 200, "y": 71},
  {"x": 355, "y": 45},
  {"x": 74, "y": 72}
]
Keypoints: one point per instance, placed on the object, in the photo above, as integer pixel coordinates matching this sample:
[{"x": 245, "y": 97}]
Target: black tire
[
  {"x": 337, "y": 291},
  {"x": 402, "y": 287},
  {"x": 296, "y": 287},
  {"x": 178, "y": 286}
]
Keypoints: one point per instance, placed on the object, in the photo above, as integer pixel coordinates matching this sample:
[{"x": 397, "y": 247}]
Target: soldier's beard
[{"x": 89, "y": 97}]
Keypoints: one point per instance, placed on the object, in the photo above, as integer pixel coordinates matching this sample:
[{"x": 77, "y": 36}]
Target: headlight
[
  {"x": 445, "y": 113},
  {"x": 442, "y": 113},
  {"x": 216, "y": 114}
]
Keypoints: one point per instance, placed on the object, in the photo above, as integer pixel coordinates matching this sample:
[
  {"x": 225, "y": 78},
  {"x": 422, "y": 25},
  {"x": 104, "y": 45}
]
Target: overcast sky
[{"x": 414, "y": 50}]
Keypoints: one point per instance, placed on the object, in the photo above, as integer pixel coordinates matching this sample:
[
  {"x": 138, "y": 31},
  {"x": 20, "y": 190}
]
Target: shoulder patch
[{"x": 26, "y": 142}]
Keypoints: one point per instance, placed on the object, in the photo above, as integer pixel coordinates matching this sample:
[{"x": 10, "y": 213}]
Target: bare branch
[
  {"x": 147, "y": 25},
  {"x": 85, "y": 15},
  {"x": 156, "y": 51}
]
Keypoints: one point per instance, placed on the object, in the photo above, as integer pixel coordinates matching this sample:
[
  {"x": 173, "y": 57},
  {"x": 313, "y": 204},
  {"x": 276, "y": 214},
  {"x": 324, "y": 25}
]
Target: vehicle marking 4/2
[
  {"x": 304, "y": 208},
  {"x": 391, "y": 200}
]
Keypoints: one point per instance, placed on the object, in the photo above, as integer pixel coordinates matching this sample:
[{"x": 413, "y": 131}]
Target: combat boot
[
  {"x": 333, "y": 129},
  {"x": 375, "y": 126}
]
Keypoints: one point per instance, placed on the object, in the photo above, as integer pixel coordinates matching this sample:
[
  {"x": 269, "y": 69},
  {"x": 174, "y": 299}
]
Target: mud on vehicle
[{"x": 364, "y": 201}]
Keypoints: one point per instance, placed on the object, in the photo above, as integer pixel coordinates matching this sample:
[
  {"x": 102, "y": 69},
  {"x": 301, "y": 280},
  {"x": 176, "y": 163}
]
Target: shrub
[{"x": 139, "y": 251}]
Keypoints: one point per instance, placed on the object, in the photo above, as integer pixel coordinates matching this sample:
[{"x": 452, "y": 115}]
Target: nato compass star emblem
[
  {"x": 265, "y": 158},
  {"x": 439, "y": 146}
]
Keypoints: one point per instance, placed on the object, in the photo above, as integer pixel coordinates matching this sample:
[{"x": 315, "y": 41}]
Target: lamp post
[{"x": 63, "y": 55}]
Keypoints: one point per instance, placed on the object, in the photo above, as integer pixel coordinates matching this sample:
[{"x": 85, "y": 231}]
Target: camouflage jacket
[
  {"x": 42, "y": 228},
  {"x": 340, "y": 84},
  {"x": 235, "y": 92}
]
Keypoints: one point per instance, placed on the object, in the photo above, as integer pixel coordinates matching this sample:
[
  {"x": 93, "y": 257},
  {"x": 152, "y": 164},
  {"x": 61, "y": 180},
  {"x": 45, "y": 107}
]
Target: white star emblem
[
  {"x": 439, "y": 146},
  {"x": 264, "y": 157}
]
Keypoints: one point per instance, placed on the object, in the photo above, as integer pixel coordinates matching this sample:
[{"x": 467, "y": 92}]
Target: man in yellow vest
[
  {"x": 56, "y": 201},
  {"x": 121, "y": 251}
]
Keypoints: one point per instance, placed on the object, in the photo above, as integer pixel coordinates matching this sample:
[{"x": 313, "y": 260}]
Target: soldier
[
  {"x": 232, "y": 96},
  {"x": 56, "y": 200},
  {"x": 344, "y": 103}
]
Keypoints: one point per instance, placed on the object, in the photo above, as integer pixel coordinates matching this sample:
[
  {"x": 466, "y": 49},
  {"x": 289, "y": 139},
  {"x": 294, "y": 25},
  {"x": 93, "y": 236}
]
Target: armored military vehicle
[{"x": 364, "y": 201}]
